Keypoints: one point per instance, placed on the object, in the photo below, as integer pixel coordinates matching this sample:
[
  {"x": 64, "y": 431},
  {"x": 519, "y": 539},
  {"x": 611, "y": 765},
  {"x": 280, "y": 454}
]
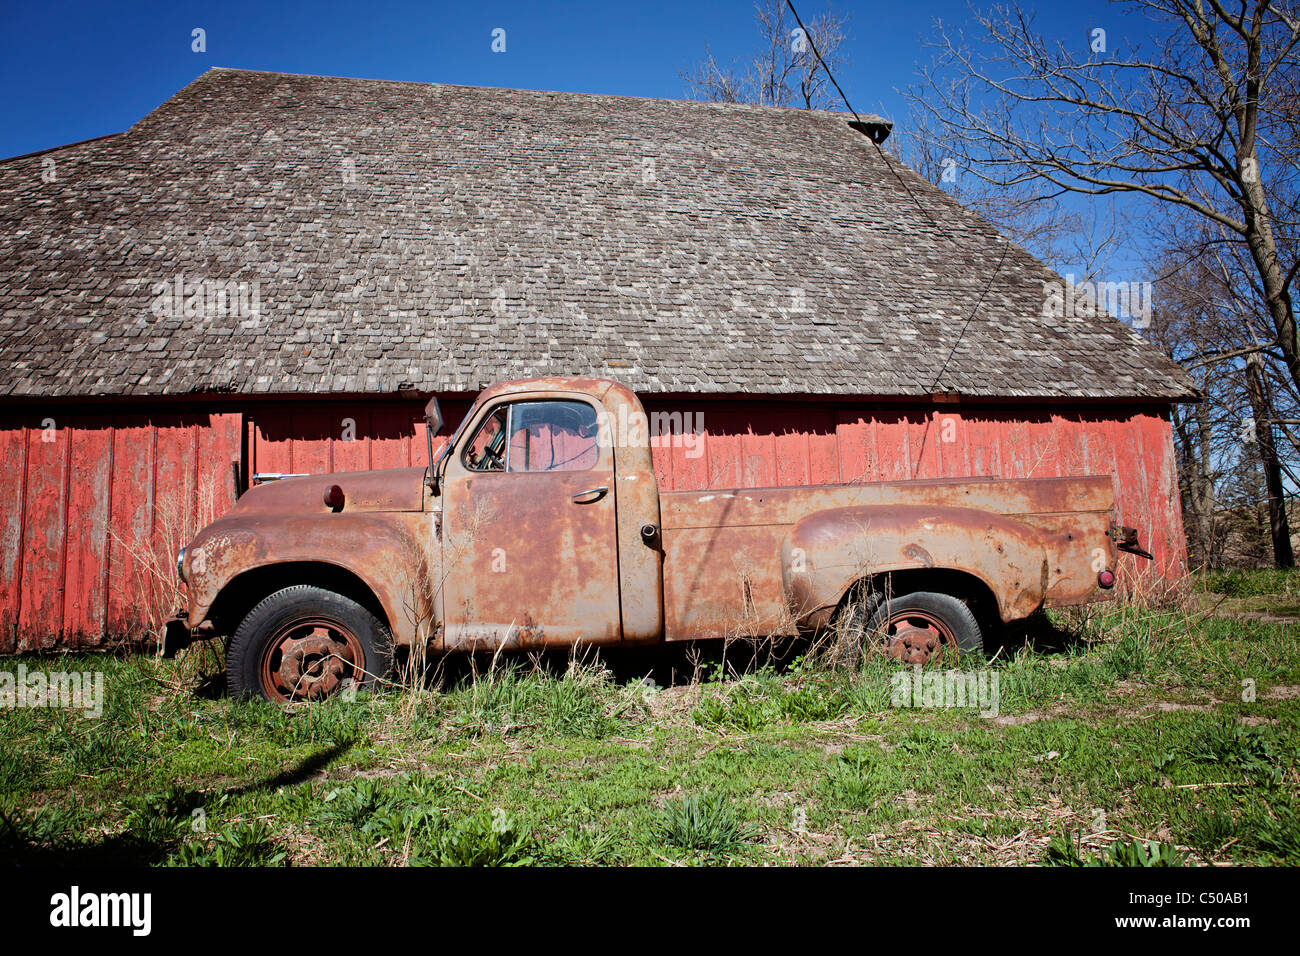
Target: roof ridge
[{"x": 836, "y": 114}]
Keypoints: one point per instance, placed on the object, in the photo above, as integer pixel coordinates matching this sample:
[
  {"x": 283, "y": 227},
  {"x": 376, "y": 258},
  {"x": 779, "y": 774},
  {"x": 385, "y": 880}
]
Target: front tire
[
  {"x": 306, "y": 643},
  {"x": 924, "y": 627}
]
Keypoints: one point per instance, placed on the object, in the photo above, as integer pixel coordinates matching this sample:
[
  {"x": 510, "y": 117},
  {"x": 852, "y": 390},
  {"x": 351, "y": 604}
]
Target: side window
[
  {"x": 486, "y": 451},
  {"x": 553, "y": 436}
]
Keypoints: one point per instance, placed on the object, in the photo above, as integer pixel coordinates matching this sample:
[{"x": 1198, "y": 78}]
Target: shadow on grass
[
  {"x": 681, "y": 662},
  {"x": 1038, "y": 631},
  {"x": 19, "y": 846},
  {"x": 678, "y": 663},
  {"x": 670, "y": 664},
  {"x": 212, "y": 687}
]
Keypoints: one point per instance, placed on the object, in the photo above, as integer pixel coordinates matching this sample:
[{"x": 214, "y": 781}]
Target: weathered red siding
[
  {"x": 93, "y": 511},
  {"x": 344, "y": 436}
]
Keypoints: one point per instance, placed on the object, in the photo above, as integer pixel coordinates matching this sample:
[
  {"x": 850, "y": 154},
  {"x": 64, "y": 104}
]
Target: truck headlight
[{"x": 180, "y": 565}]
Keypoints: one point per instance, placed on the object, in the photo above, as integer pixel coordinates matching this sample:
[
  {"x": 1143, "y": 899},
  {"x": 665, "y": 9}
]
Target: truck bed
[{"x": 722, "y": 548}]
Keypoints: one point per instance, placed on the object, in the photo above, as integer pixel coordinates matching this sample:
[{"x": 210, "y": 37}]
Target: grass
[
  {"x": 1249, "y": 583},
  {"x": 1063, "y": 851},
  {"x": 1123, "y": 736},
  {"x": 1267, "y": 592}
]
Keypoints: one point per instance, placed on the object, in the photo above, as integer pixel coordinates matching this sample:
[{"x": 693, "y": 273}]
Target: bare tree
[
  {"x": 1186, "y": 329},
  {"x": 1230, "y": 463},
  {"x": 783, "y": 71},
  {"x": 1203, "y": 122},
  {"x": 1065, "y": 236}
]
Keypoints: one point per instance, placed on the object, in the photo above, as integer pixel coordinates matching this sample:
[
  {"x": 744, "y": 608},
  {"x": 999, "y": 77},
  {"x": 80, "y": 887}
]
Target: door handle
[{"x": 584, "y": 497}]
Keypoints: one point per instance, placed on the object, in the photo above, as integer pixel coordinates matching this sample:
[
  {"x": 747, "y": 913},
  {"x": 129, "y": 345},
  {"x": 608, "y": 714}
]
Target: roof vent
[{"x": 876, "y": 130}]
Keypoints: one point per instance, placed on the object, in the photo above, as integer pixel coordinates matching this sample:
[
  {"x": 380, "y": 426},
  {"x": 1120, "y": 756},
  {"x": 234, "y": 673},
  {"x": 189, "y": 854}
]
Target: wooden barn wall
[
  {"x": 344, "y": 436},
  {"x": 93, "y": 509}
]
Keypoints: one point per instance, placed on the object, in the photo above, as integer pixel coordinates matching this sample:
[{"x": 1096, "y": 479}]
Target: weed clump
[
  {"x": 1063, "y": 851},
  {"x": 703, "y": 823}
]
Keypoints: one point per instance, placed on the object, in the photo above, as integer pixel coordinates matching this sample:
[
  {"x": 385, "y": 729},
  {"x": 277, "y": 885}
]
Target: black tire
[
  {"x": 353, "y": 632},
  {"x": 949, "y": 613}
]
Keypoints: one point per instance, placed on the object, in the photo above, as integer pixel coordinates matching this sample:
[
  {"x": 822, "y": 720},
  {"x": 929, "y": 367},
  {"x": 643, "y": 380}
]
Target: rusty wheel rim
[
  {"x": 914, "y": 636},
  {"x": 309, "y": 659}
]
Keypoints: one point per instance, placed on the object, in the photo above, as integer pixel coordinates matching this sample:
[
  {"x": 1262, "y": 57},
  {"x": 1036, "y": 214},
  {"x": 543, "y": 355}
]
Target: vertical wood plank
[
  {"x": 131, "y": 524},
  {"x": 13, "y": 513},
  {"x": 983, "y": 445},
  {"x": 790, "y": 446},
  {"x": 89, "y": 495},
  {"x": 41, "y": 615},
  {"x": 892, "y": 443},
  {"x": 855, "y": 434},
  {"x": 823, "y": 447},
  {"x": 313, "y": 431},
  {"x": 352, "y": 449}
]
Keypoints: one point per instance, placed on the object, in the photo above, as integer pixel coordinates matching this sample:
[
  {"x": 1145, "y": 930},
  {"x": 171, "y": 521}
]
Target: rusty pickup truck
[{"x": 540, "y": 524}]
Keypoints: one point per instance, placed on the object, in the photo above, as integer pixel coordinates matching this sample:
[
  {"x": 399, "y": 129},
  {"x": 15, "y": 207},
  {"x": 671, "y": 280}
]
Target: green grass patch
[{"x": 1121, "y": 736}]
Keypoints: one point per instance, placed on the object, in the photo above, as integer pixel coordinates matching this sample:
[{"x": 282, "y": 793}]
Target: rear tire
[
  {"x": 306, "y": 643},
  {"x": 924, "y": 627}
]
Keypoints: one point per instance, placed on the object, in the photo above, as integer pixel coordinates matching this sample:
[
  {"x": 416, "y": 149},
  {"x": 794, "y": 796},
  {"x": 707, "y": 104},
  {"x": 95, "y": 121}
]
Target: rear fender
[{"x": 826, "y": 553}]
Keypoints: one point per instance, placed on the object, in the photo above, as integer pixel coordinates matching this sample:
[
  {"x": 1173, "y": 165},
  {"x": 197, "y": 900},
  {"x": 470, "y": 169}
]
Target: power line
[{"x": 924, "y": 212}]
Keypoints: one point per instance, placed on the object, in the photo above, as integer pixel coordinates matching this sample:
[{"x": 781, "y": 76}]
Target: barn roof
[{"x": 415, "y": 236}]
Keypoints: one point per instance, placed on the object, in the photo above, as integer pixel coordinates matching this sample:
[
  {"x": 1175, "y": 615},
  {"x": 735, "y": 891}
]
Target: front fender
[
  {"x": 828, "y": 552},
  {"x": 382, "y": 549}
]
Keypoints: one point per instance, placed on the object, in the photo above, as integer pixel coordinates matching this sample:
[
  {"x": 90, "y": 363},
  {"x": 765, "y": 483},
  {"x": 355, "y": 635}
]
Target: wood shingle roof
[{"x": 429, "y": 237}]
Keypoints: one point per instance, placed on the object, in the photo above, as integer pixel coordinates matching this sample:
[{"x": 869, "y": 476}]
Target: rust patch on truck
[
  {"x": 381, "y": 550},
  {"x": 530, "y": 557},
  {"x": 918, "y": 554}
]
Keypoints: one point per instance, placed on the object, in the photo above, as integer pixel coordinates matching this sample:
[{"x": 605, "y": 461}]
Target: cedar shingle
[{"x": 443, "y": 237}]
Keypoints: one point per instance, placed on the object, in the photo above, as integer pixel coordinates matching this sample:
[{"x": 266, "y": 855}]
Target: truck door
[{"x": 530, "y": 547}]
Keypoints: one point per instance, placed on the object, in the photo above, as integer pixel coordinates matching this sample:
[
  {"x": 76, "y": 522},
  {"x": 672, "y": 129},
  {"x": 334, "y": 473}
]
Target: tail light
[{"x": 1106, "y": 579}]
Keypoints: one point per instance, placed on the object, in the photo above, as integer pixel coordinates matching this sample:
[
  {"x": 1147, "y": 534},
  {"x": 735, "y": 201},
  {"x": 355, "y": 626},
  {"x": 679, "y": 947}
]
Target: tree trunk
[
  {"x": 1261, "y": 406},
  {"x": 1205, "y": 485},
  {"x": 1198, "y": 487}
]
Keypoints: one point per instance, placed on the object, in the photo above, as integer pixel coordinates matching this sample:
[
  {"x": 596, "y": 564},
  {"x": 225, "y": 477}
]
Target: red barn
[{"x": 269, "y": 273}]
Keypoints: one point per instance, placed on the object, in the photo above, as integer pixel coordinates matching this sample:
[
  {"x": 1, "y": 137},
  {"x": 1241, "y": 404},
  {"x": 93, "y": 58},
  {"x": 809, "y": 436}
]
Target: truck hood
[{"x": 393, "y": 489}]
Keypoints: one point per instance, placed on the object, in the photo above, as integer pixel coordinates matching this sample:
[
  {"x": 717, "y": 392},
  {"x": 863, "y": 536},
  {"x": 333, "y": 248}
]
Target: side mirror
[{"x": 433, "y": 425}]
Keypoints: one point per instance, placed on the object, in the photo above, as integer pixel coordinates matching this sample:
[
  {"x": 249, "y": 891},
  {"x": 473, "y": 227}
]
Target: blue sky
[{"x": 73, "y": 70}]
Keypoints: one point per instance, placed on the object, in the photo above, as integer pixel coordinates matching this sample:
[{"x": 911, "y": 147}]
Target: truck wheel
[
  {"x": 305, "y": 643},
  {"x": 925, "y": 627}
]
